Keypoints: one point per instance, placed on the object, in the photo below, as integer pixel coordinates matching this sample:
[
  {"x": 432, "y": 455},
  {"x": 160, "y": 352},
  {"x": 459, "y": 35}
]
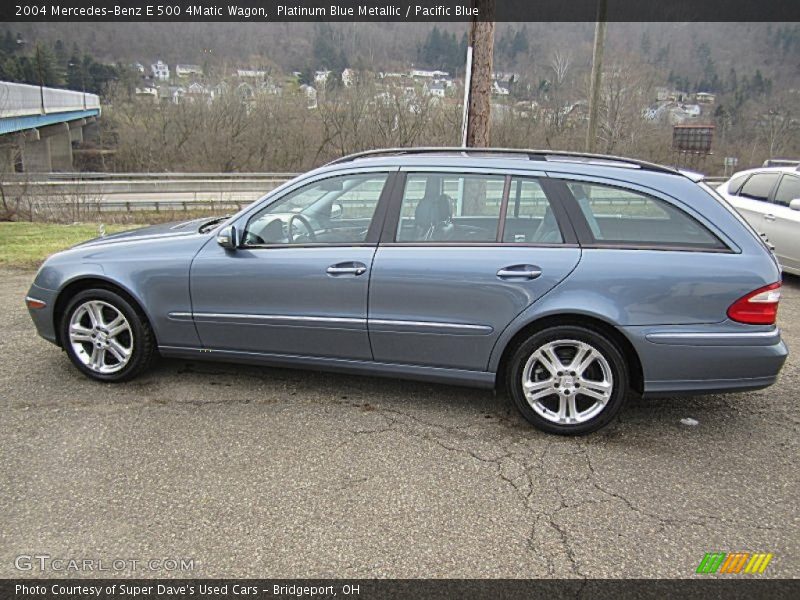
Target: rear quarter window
[
  {"x": 735, "y": 183},
  {"x": 621, "y": 217}
]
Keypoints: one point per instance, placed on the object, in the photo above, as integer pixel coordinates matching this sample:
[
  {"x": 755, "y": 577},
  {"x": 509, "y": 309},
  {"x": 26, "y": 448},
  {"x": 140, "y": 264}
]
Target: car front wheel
[
  {"x": 105, "y": 337},
  {"x": 568, "y": 380}
]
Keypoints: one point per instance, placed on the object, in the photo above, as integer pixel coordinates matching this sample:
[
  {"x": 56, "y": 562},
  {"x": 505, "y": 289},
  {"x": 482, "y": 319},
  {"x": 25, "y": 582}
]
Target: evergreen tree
[
  {"x": 520, "y": 44},
  {"x": 645, "y": 45},
  {"x": 60, "y": 52},
  {"x": 732, "y": 84},
  {"x": 8, "y": 43},
  {"x": 45, "y": 68},
  {"x": 327, "y": 53}
]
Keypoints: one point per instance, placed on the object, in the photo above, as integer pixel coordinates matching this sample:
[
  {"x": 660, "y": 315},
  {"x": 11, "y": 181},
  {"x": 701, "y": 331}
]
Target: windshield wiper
[{"x": 209, "y": 225}]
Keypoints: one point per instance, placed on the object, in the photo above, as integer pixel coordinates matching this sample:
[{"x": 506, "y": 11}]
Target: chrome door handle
[
  {"x": 769, "y": 217},
  {"x": 519, "y": 273},
  {"x": 349, "y": 270}
]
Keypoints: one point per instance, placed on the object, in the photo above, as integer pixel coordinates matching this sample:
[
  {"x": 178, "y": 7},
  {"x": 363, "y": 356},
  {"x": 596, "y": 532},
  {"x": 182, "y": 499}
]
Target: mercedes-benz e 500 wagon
[{"x": 571, "y": 279}]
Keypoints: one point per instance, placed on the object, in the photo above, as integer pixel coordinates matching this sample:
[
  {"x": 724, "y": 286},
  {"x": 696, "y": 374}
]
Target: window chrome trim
[
  {"x": 656, "y": 247},
  {"x": 476, "y": 245},
  {"x": 308, "y": 245}
]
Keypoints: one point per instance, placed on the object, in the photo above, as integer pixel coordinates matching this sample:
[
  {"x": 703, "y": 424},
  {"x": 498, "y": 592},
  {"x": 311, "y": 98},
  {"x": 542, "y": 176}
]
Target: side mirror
[
  {"x": 795, "y": 204},
  {"x": 336, "y": 211},
  {"x": 227, "y": 238}
]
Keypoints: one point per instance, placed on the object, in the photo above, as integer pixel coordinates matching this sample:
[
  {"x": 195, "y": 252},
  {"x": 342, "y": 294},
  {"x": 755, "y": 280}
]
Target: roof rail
[{"x": 530, "y": 154}]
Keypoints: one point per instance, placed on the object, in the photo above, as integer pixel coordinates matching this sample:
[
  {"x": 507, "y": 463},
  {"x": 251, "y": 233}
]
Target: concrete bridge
[{"x": 39, "y": 124}]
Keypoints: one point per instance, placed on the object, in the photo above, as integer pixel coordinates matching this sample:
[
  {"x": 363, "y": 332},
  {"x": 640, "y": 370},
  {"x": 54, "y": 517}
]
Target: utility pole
[
  {"x": 479, "y": 79},
  {"x": 597, "y": 74}
]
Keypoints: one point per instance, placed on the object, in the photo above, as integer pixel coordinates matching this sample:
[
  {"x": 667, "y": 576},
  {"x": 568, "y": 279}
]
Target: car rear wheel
[
  {"x": 568, "y": 380},
  {"x": 105, "y": 337}
]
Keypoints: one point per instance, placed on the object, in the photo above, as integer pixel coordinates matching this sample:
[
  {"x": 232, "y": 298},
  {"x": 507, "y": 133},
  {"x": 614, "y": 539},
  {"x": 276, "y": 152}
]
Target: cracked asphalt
[{"x": 257, "y": 472}]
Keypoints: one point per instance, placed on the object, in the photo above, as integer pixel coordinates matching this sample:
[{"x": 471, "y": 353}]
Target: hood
[{"x": 152, "y": 232}]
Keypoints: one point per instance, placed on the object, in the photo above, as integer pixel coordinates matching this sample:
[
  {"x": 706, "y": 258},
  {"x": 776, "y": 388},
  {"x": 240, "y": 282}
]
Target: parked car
[
  {"x": 769, "y": 198},
  {"x": 570, "y": 279}
]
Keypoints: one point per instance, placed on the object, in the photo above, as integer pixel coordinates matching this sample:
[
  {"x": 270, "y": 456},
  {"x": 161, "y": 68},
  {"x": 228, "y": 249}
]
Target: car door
[
  {"x": 463, "y": 253},
  {"x": 297, "y": 282},
  {"x": 782, "y": 224}
]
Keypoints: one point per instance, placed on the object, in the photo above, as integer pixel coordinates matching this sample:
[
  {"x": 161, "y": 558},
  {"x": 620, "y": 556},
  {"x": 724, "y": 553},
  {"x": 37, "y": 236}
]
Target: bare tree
[
  {"x": 626, "y": 89},
  {"x": 559, "y": 65},
  {"x": 779, "y": 125}
]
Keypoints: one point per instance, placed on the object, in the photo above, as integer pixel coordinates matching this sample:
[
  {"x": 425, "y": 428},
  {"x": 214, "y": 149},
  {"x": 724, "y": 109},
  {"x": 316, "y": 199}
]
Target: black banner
[
  {"x": 703, "y": 587},
  {"x": 265, "y": 11}
]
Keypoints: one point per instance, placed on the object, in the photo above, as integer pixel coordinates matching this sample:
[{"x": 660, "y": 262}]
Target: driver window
[{"x": 337, "y": 210}]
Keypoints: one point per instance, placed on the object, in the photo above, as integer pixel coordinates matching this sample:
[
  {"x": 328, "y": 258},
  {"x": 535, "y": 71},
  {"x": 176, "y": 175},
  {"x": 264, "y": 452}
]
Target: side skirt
[{"x": 481, "y": 379}]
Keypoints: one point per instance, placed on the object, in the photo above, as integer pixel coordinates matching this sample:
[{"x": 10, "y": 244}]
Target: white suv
[{"x": 769, "y": 198}]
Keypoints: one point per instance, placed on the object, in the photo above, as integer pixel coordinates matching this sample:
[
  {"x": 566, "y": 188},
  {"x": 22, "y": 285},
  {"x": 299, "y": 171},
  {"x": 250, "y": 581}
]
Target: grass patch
[{"x": 26, "y": 245}]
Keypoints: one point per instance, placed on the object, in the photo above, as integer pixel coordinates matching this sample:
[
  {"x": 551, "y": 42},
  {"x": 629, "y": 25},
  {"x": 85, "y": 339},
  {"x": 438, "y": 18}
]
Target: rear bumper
[
  {"x": 43, "y": 317},
  {"x": 725, "y": 357}
]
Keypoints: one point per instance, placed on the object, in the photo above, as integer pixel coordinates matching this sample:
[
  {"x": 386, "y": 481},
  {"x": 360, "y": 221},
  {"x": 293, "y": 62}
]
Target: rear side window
[
  {"x": 759, "y": 186},
  {"x": 450, "y": 207},
  {"x": 529, "y": 218},
  {"x": 617, "y": 216},
  {"x": 788, "y": 190}
]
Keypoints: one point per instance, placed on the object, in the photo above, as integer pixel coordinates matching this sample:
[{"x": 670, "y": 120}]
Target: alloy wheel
[
  {"x": 567, "y": 381},
  {"x": 101, "y": 337}
]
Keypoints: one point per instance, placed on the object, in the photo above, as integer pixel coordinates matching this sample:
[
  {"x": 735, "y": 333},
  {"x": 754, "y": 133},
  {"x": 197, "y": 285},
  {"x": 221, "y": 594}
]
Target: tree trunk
[{"x": 481, "y": 38}]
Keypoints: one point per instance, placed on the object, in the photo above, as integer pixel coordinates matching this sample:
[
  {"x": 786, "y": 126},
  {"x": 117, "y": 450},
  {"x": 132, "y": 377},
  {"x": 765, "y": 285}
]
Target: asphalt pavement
[{"x": 255, "y": 472}]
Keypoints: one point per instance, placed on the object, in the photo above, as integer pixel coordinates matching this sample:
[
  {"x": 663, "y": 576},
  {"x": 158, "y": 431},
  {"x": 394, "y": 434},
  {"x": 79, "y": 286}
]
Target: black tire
[
  {"x": 597, "y": 414},
  {"x": 143, "y": 349}
]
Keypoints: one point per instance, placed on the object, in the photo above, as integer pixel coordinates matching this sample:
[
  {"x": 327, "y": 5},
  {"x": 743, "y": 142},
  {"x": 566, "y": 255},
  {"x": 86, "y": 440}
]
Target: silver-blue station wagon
[{"x": 573, "y": 280}]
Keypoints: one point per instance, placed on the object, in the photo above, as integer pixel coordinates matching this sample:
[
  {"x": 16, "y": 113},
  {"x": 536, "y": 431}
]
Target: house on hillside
[
  {"x": 422, "y": 73},
  {"x": 172, "y": 93},
  {"x": 197, "y": 92},
  {"x": 310, "y": 94},
  {"x": 348, "y": 77},
  {"x": 160, "y": 70},
  {"x": 220, "y": 89},
  {"x": 148, "y": 93},
  {"x": 245, "y": 91},
  {"x": 250, "y": 74},
  {"x": 321, "y": 77},
  {"x": 705, "y": 98},
  {"x": 435, "y": 88},
  {"x": 499, "y": 89},
  {"x": 187, "y": 70}
]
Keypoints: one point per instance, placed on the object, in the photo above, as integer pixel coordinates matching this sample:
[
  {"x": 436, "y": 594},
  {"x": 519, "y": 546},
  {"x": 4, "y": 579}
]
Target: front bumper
[
  {"x": 725, "y": 357},
  {"x": 43, "y": 317}
]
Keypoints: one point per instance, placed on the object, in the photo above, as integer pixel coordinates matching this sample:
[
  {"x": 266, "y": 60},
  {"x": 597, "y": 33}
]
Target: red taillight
[{"x": 759, "y": 307}]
